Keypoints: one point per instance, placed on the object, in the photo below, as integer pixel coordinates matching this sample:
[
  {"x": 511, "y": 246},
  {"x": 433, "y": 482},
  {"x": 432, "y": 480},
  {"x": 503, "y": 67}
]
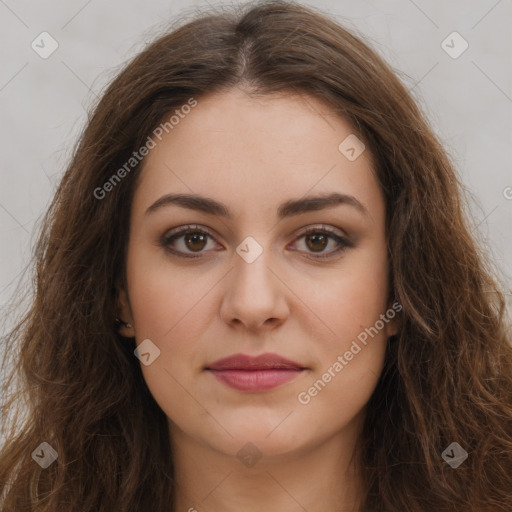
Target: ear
[{"x": 124, "y": 314}]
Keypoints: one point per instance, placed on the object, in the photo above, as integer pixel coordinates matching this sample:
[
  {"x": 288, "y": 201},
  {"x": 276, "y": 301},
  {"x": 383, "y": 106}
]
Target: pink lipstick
[{"x": 261, "y": 373}]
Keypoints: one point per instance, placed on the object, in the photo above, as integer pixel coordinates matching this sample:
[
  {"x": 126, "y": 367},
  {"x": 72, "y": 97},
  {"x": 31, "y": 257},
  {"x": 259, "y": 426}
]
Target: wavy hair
[{"x": 447, "y": 374}]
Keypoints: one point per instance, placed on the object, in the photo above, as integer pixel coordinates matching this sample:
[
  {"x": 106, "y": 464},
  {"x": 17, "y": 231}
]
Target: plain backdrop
[{"x": 44, "y": 101}]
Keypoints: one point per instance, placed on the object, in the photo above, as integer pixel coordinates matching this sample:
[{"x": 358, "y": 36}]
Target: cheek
[
  {"x": 350, "y": 354},
  {"x": 172, "y": 308},
  {"x": 167, "y": 299},
  {"x": 349, "y": 299},
  {"x": 347, "y": 334},
  {"x": 356, "y": 332}
]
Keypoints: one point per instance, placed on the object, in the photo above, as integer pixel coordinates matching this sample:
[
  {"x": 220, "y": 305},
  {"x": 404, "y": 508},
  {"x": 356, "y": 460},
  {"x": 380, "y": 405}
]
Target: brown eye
[
  {"x": 186, "y": 242},
  {"x": 195, "y": 241},
  {"x": 317, "y": 242},
  {"x": 317, "y": 239}
]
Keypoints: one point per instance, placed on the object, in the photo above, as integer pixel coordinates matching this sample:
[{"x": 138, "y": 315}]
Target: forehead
[{"x": 253, "y": 153}]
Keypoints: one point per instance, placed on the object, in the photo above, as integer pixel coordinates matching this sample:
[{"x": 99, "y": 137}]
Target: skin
[{"x": 252, "y": 155}]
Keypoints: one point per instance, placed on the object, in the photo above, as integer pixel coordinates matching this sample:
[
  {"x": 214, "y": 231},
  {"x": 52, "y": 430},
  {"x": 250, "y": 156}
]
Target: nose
[{"x": 256, "y": 296}]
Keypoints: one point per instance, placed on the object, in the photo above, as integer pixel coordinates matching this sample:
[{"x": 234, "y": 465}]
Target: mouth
[{"x": 261, "y": 373}]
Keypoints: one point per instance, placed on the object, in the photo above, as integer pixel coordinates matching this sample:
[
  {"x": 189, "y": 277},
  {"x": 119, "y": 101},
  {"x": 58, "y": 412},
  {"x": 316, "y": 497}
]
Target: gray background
[{"x": 43, "y": 102}]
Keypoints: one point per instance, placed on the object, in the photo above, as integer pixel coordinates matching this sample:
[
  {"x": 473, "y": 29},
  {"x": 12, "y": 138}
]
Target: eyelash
[{"x": 193, "y": 229}]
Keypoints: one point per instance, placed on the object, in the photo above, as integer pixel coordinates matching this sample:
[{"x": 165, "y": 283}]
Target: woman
[{"x": 257, "y": 290}]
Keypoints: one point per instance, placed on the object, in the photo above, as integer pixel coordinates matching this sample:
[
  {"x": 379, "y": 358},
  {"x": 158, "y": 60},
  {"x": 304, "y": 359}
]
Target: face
[{"x": 263, "y": 269}]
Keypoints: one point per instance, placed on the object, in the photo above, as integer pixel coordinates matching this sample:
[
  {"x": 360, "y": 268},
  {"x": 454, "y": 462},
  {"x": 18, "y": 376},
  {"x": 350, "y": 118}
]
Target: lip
[
  {"x": 265, "y": 361},
  {"x": 260, "y": 373}
]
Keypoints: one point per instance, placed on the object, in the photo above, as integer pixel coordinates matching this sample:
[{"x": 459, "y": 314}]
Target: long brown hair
[{"x": 447, "y": 375}]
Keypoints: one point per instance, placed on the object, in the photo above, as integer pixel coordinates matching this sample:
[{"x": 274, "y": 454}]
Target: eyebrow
[{"x": 287, "y": 209}]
